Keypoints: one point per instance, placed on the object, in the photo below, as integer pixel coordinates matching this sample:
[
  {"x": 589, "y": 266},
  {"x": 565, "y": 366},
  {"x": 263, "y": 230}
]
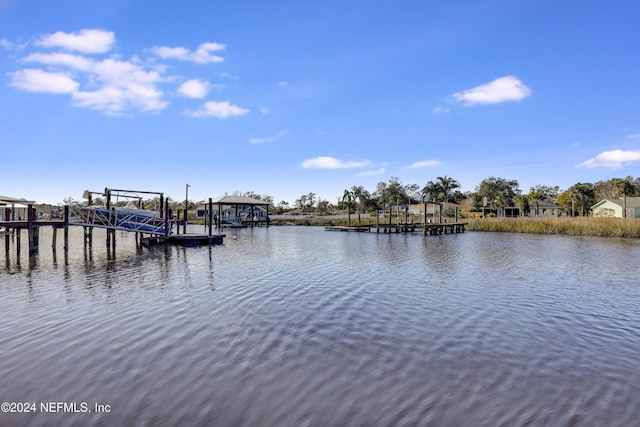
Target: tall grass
[{"x": 576, "y": 226}]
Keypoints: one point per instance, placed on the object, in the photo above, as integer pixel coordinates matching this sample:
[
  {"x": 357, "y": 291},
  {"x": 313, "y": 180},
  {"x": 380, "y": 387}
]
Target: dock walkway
[{"x": 428, "y": 229}]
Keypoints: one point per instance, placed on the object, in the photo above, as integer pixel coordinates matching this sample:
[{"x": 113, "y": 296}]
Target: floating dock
[{"x": 189, "y": 239}]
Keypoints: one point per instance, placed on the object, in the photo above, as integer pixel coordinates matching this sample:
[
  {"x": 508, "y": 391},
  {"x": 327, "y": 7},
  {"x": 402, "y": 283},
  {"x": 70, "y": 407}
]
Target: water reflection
[{"x": 297, "y": 326}]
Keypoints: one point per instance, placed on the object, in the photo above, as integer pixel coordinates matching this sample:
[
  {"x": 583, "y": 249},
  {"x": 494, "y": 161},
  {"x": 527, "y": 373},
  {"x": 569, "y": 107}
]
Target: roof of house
[
  {"x": 5, "y": 200},
  {"x": 632, "y": 202},
  {"x": 238, "y": 201}
]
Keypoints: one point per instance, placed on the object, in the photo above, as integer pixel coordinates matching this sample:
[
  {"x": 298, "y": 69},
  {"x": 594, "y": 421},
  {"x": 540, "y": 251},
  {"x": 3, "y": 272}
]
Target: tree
[
  {"x": 391, "y": 192},
  {"x": 431, "y": 191},
  {"x": 413, "y": 191},
  {"x": 535, "y": 197},
  {"x": 565, "y": 201},
  {"x": 322, "y": 206},
  {"x": 282, "y": 207},
  {"x": 522, "y": 202},
  {"x": 362, "y": 196},
  {"x": 623, "y": 188},
  {"x": 306, "y": 201},
  {"x": 498, "y": 191},
  {"x": 583, "y": 194},
  {"x": 499, "y": 201},
  {"x": 545, "y": 190},
  {"x": 446, "y": 185},
  {"x": 347, "y": 197}
]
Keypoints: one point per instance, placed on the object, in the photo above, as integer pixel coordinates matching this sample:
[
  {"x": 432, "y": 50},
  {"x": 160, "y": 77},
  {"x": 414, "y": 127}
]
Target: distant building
[
  {"x": 16, "y": 208},
  {"x": 613, "y": 208},
  {"x": 545, "y": 207},
  {"x": 236, "y": 210}
]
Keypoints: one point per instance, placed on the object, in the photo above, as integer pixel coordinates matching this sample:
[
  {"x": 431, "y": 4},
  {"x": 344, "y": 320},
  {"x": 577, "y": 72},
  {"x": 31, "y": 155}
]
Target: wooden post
[
  {"x": 210, "y": 219},
  {"x": 166, "y": 218},
  {"x": 186, "y": 209},
  {"x": 406, "y": 218},
  {"x": 219, "y": 214},
  {"x": 30, "y": 229},
  {"x": 66, "y": 228},
  {"x": 424, "y": 226}
]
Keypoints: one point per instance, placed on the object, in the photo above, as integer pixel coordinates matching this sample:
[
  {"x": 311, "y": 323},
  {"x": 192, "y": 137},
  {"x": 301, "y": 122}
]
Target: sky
[{"x": 284, "y": 98}]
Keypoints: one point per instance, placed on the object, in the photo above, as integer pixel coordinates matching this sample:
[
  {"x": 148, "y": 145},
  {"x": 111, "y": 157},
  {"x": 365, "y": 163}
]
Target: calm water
[{"x": 295, "y": 326}]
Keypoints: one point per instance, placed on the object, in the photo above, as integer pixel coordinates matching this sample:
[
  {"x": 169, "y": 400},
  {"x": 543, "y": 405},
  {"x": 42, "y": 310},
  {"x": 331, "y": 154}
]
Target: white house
[{"x": 613, "y": 208}]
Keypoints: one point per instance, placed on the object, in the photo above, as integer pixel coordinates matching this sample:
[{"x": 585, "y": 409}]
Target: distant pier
[{"x": 429, "y": 229}]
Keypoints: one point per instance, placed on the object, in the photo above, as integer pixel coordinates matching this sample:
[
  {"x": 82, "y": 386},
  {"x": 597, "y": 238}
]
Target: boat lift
[{"x": 125, "y": 218}]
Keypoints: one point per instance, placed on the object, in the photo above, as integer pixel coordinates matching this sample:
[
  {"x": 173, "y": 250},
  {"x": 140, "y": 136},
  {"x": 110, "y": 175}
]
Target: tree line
[{"x": 495, "y": 194}]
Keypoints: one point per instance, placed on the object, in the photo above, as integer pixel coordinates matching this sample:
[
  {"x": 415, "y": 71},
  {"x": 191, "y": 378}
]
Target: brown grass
[{"x": 576, "y": 226}]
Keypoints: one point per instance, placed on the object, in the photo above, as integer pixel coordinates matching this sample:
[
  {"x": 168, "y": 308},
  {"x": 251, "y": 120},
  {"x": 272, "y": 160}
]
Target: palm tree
[
  {"x": 536, "y": 197},
  {"x": 447, "y": 184},
  {"x": 360, "y": 194},
  {"x": 348, "y": 196},
  {"x": 431, "y": 190},
  {"x": 522, "y": 202},
  {"x": 499, "y": 202}
]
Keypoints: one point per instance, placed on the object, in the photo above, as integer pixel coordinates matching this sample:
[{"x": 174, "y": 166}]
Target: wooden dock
[
  {"x": 12, "y": 228},
  {"x": 430, "y": 229},
  {"x": 189, "y": 239}
]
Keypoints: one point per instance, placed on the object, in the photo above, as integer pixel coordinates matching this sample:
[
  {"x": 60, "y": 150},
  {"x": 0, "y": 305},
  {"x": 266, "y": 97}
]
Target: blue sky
[{"x": 290, "y": 97}]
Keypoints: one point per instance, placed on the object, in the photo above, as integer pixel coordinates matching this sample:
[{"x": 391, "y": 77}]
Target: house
[
  {"x": 545, "y": 207},
  {"x": 614, "y": 208},
  {"x": 13, "y": 209}
]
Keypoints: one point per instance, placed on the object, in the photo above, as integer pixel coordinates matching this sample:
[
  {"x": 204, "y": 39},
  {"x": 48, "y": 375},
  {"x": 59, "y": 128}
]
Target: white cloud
[
  {"x": 112, "y": 84},
  {"x": 424, "y": 164},
  {"x": 440, "y": 110},
  {"x": 503, "y": 89},
  {"x": 85, "y": 41},
  {"x": 614, "y": 159},
  {"x": 109, "y": 85},
  {"x": 283, "y": 83},
  {"x": 221, "y": 110},
  {"x": 194, "y": 88},
  {"x": 635, "y": 135},
  {"x": 372, "y": 172},
  {"x": 264, "y": 110},
  {"x": 273, "y": 138},
  {"x": 11, "y": 46},
  {"x": 328, "y": 162},
  {"x": 64, "y": 59},
  {"x": 34, "y": 80},
  {"x": 201, "y": 55}
]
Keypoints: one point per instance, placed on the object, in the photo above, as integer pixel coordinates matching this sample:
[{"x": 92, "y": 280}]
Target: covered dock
[{"x": 236, "y": 211}]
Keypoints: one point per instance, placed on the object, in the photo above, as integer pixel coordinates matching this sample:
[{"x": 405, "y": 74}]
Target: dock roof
[
  {"x": 238, "y": 201},
  {"x": 5, "y": 201}
]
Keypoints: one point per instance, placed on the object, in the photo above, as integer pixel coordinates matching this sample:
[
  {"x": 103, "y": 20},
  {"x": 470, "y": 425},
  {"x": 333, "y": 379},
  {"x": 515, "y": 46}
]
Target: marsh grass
[{"x": 576, "y": 226}]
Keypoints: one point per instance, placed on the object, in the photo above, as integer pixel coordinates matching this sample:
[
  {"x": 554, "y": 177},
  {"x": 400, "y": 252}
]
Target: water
[{"x": 295, "y": 326}]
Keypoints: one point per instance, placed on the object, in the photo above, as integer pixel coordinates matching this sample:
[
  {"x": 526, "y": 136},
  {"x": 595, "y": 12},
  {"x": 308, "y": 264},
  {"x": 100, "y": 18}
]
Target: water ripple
[{"x": 296, "y": 326}]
